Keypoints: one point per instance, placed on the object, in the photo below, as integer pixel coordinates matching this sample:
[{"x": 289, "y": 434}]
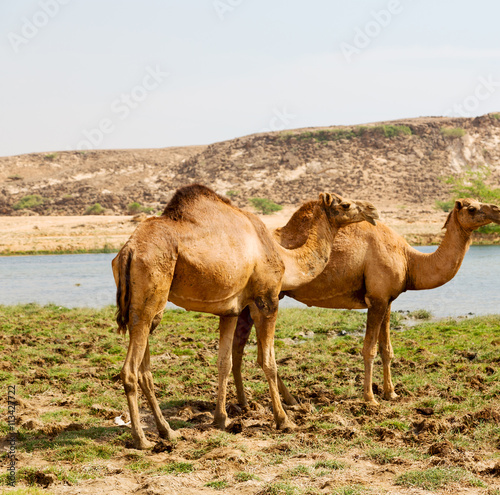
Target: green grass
[
  {"x": 350, "y": 490},
  {"x": 436, "y": 478},
  {"x": 242, "y": 476},
  {"x": 326, "y": 135},
  {"x": 217, "y": 484},
  {"x": 330, "y": 464},
  {"x": 280, "y": 488},
  {"x": 176, "y": 468},
  {"x": 69, "y": 359}
]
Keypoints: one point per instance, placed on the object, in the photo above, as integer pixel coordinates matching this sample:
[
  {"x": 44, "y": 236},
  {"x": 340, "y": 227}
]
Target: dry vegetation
[{"x": 442, "y": 435}]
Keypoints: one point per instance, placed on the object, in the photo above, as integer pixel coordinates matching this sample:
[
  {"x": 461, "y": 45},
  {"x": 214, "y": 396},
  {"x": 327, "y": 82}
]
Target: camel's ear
[
  {"x": 326, "y": 199},
  {"x": 448, "y": 218},
  {"x": 459, "y": 204},
  {"x": 329, "y": 199}
]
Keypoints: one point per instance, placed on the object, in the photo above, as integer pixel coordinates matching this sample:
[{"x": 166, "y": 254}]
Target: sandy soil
[{"x": 72, "y": 233}]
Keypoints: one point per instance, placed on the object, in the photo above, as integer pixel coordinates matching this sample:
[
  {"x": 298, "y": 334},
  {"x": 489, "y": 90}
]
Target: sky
[{"x": 89, "y": 74}]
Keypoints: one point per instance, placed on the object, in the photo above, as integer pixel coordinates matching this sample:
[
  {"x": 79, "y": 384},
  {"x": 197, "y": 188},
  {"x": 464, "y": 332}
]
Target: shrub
[
  {"x": 472, "y": 183},
  {"x": 96, "y": 209},
  {"x": 29, "y": 201},
  {"x": 232, "y": 193},
  {"x": 445, "y": 205},
  {"x": 50, "y": 156},
  {"x": 392, "y": 130},
  {"x": 453, "y": 132},
  {"x": 496, "y": 116},
  {"x": 134, "y": 208},
  {"x": 265, "y": 206}
]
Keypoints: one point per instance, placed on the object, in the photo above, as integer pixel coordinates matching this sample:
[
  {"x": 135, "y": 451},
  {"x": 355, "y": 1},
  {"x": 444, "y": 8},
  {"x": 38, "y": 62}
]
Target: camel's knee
[
  {"x": 225, "y": 364},
  {"x": 369, "y": 353},
  {"x": 269, "y": 366},
  {"x": 129, "y": 380},
  {"x": 386, "y": 352},
  {"x": 145, "y": 379}
]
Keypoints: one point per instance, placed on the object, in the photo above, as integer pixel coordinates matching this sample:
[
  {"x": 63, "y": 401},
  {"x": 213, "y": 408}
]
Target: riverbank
[{"x": 98, "y": 234}]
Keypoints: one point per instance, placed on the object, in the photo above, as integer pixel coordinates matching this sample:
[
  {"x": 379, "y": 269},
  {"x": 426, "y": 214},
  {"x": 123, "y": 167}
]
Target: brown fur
[
  {"x": 184, "y": 198},
  {"x": 369, "y": 267},
  {"x": 204, "y": 254}
]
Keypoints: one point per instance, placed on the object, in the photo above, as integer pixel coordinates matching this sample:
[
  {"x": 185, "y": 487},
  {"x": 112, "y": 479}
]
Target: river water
[{"x": 87, "y": 281}]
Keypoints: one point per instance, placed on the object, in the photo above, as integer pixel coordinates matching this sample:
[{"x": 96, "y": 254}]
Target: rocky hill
[{"x": 390, "y": 163}]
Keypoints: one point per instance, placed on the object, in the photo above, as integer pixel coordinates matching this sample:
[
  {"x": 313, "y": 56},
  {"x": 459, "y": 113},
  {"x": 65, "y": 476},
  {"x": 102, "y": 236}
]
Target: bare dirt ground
[{"x": 95, "y": 232}]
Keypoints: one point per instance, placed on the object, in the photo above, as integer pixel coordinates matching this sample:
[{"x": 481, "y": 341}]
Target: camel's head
[
  {"x": 471, "y": 214},
  {"x": 343, "y": 211}
]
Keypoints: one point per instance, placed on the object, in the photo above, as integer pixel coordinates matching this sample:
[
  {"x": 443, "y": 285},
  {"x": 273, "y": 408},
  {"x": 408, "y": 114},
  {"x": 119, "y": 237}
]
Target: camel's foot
[
  {"x": 391, "y": 395},
  {"x": 169, "y": 434},
  {"x": 220, "y": 422},
  {"x": 285, "y": 424},
  {"x": 370, "y": 401},
  {"x": 142, "y": 444}
]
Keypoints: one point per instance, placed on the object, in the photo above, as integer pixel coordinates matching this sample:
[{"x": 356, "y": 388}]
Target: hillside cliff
[{"x": 389, "y": 163}]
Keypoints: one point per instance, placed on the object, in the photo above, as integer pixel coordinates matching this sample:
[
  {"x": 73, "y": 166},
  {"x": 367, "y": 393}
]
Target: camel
[
  {"x": 204, "y": 254},
  {"x": 369, "y": 267}
]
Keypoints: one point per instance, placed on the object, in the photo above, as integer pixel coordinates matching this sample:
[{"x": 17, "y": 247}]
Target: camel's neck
[
  {"x": 427, "y": 271},
  {"x": 307, "y": 261}
]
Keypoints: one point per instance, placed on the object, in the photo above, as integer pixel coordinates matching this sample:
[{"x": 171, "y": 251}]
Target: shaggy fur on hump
[{"x": 187, "y": 195}]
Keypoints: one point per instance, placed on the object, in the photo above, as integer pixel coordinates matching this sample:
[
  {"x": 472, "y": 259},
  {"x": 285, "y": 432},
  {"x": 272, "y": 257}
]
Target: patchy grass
[
  {"x": 435, "y": 478},
  {"x": 65, "y": 364},
  {"x": 326, "y": 135}
]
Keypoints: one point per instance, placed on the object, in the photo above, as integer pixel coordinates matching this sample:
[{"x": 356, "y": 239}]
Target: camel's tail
[{"x": 121, "y": 270}]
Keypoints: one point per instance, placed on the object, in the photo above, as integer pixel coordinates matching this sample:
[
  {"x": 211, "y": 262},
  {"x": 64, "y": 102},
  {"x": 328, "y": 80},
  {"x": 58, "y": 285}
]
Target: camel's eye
[
  {"x": 472, "y": 209},
  {"x": 346, "y": 206}
]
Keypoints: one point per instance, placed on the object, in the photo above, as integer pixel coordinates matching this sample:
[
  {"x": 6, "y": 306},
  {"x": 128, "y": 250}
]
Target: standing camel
[
  {"x": 369, "y": 267},
  {"x": 204, "y": 254}
]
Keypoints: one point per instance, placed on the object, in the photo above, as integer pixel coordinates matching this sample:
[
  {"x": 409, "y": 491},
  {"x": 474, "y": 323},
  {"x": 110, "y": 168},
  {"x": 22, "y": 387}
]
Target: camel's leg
[
  {"x": 377, "y": 310},
  {"x": 288, "y": 398},
  {"x": 227, "y": 325},
  {"x": 130, "y": 373},
  {"x": 243, "y": 329},
  {"x": 146, "y": 382},
  {"x": 265, "y": 327},
  {"x": 387, "y": 355}
]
